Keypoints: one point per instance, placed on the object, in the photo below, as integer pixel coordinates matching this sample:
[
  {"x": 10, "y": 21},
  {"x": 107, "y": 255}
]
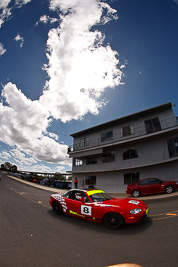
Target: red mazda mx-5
[
  {"x": 96, "y": 205},
  {"x": 150, "y": 186}
]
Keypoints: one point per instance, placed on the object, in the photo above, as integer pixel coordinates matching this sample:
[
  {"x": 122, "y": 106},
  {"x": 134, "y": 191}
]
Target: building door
[{"x": 90, "y": 181}]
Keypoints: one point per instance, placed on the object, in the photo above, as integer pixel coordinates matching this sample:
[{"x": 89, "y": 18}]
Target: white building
[{"x": 125, "y": 150}]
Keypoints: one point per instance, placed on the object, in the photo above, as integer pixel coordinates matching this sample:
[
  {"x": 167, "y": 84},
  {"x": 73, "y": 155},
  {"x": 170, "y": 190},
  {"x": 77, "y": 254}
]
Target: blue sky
[{"x": 67, "y": 65}]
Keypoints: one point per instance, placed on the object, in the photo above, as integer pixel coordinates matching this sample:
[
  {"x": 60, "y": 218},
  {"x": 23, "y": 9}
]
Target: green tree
[{"x": 7, "y": 166}]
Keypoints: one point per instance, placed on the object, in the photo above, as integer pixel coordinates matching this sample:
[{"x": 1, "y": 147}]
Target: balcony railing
[{"x": 138, "y": 132}]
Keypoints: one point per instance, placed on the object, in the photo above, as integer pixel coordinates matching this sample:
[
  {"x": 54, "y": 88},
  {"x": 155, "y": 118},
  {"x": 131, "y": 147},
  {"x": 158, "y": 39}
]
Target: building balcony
[{"x": 166, "y": 126}]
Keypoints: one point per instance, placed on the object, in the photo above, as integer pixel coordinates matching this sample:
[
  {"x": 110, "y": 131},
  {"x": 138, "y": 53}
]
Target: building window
[
  {"x": 130, "y": 154},
  {"x": 127, "y": 130},
  {"x": 152, "y": 125},
  {"x": 91, "y": 160},
  {"x": 131, "y": 178},
  {"x": 77, "y": 162},
  {"x": 110, "y": 157},
  {"x": 90, "y": 181},
  {"x": 107, "y": 136},
  {"x": 173, "y": 147},
  {"x": 84, "y": 142}
]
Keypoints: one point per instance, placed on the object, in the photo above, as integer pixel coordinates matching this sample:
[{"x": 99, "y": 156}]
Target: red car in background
[
  {"x": 97, "y": 206},
  {"x": 150, "y": 186}
]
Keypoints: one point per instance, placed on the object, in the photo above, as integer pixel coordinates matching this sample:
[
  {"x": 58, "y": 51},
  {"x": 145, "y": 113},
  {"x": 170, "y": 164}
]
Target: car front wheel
[
  {"x": 113, "y": 220},
  {"x": 169, "y": 189},
  {"x": 57, "y": 208},
  {"x": 136, "y": 193}
]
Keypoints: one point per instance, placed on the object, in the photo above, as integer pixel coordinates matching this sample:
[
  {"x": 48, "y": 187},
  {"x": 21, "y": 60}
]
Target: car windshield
[{"x": 100, "y": 197}]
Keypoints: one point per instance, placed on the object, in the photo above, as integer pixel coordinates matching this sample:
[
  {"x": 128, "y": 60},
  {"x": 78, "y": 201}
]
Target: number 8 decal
[{"x": 85, "y": 210}]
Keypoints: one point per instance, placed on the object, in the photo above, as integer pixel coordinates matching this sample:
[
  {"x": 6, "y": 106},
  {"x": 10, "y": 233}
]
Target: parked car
[
  {"x": 150, "y": 186},
  {"x": 36, "y": 180},
  {"x": 98, "y": 206}
]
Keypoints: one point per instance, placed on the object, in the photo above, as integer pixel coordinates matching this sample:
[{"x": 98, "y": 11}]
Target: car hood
[{"x": 125, "y": 202}]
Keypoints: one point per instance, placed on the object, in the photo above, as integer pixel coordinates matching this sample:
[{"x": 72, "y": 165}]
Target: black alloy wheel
[
  {"x": 57, "y": 208},
  {"x": 113, "y": 220}
]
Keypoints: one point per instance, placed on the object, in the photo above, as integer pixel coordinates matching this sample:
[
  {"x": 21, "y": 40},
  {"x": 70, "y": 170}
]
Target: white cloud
[
  {"x": 53, "y": 135},
  {"x": 4, "y": 15},
  {"x": 19, "y": 39},
  {"x": 6, "y": 11},
  {"x": 34, "y": 168},
  {"x": 5, "y": 155},
  {"x": 4, "y": 3},
  {"x": 21, "y": 157},
  {"x": 2, "y": 50},
  {"x": 60, "y": 169},
  {"x": 20, "y": 3},
  {"x": 80, "y": 66},
  {"x": 46, "y": 19},
  {"x": 24, "y": 124}
]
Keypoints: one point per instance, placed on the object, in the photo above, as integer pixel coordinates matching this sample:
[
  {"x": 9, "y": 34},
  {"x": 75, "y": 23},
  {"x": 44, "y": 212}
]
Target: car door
[
  {"x": 87, "y": 207},
  {"x": 73, "y": 204},
  {"x": 155, "y": 186},
  {"x": 84, "y": 208},
  {"x": 144, "y": 187}
]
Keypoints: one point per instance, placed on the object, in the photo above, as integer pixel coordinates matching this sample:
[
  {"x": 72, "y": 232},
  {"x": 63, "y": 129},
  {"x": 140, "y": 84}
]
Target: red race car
[
  {"x": 97, "y": 206},
  {"x": 150, "y": 186}
]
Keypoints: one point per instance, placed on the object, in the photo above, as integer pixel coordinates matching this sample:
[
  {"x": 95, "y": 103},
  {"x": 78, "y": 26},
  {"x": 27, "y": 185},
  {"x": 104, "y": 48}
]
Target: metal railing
[{"x": 138, "y": 132}]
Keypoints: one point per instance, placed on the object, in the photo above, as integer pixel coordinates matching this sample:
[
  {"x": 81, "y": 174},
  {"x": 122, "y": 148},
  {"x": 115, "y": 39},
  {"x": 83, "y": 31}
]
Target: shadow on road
[{"x": 81, "y": 225}]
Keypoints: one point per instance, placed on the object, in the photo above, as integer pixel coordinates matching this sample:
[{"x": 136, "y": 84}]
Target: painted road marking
[
  {"x": 164, "y": 216},
  {"x": 155, "y": 217},
  {"x": 22, "y": 194}
]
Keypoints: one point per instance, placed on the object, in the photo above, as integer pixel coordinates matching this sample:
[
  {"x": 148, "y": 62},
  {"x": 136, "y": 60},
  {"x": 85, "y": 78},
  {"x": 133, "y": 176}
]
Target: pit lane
[{"x": 33, "y": 236}]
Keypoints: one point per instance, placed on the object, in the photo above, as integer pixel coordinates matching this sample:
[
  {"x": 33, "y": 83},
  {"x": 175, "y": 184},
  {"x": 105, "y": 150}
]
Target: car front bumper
[{"x": 135, "y": 218}]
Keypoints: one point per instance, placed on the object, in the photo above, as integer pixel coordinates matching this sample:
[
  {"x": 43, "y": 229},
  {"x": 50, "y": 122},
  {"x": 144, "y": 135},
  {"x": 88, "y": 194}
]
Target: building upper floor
[
  {"x": 144, "y": 124},
  {"x": 130, "y": 155}
]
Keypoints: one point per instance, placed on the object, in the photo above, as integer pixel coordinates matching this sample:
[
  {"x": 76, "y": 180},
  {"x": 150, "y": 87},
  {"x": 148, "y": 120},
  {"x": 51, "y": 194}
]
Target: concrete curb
[{"x": 117, "y": 195}]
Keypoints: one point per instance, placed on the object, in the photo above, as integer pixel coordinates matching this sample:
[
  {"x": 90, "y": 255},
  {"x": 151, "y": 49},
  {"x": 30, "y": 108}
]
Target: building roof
[{"x": 125, "y": 118}]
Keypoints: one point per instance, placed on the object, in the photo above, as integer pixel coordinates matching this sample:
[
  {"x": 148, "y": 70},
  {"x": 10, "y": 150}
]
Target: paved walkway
[{"x": 117, "y": 195}]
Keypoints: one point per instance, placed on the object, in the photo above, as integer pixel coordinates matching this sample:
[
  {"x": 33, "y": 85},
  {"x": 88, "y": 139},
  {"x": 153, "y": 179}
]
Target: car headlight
[{"x": 135, "y": 211}]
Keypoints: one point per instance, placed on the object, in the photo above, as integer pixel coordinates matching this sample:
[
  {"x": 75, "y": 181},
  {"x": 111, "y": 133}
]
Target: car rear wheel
[
  {"x": 57, "y": 208},
  {"x": 113, "y": 220},
  {"x": 169, "y": 189},
  {"x": 136, "y": 193}
]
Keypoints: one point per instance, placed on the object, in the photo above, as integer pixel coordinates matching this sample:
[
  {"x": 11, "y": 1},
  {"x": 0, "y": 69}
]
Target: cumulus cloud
[
  {"x": 19, "y": 39},
  {"x": 4, "y": 4},
  {"x": 5, "y": 155},
  {"x": 80, "y": 68},
  {"x": 20, "y": 157},
  {"x": 34, "y": 168},
  {"x": 20, "y": 3},
  {"x": 2, "y": 50},
  {"x": 6, "y": 7},
  {"x": 24, "y": 124},
  {"x": 46, "y": 19},
  {"x": 4, "y": 15}
]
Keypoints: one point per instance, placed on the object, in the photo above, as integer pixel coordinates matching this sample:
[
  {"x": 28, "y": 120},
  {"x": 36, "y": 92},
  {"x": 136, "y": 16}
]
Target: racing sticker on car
[
  {"x": 134, "y": 202},
  {"x": 61, "y": 201},
  {"x": 85, "y": 210}
]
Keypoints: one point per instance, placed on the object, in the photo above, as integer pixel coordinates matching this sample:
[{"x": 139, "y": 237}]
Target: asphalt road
[{"x": 31, "y": 235}]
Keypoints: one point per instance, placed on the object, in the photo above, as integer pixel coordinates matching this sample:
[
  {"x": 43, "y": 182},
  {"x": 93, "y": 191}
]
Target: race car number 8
[{"x": 85, "y": 210}]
